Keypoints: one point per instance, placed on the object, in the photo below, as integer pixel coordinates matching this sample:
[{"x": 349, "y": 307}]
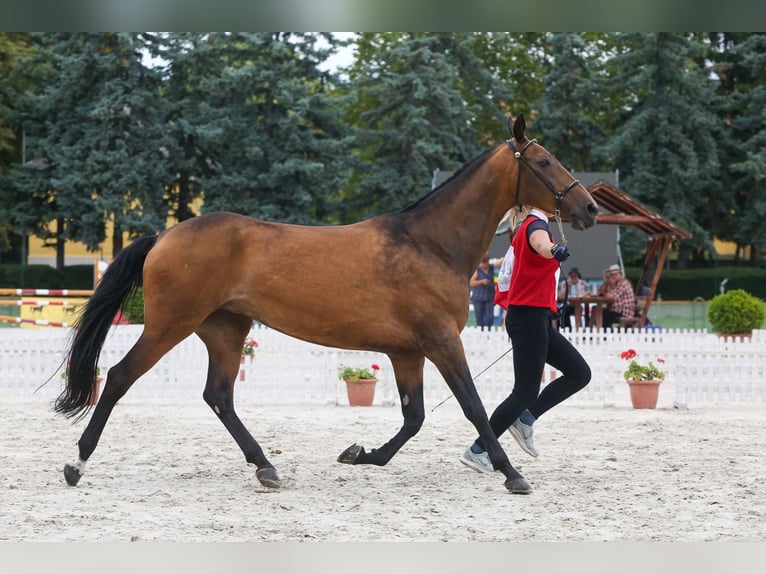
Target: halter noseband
[{"x": 559, "y": 195}]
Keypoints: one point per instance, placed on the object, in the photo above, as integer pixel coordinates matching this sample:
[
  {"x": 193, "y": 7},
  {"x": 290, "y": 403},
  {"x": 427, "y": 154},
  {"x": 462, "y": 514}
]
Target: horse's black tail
[{"x": 123, "y": 276}]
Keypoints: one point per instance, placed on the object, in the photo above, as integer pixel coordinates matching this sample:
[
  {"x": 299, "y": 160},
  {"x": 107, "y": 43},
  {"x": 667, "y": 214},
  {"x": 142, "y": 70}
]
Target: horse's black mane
[{"x": 465, "y": 169}]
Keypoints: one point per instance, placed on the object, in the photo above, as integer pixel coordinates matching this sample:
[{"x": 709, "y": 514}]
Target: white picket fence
[{"x": 700, "y": 367}]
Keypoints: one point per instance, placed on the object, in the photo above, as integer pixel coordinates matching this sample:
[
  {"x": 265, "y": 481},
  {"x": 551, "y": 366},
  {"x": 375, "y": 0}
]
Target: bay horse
[{"x": 215, "y": 274}]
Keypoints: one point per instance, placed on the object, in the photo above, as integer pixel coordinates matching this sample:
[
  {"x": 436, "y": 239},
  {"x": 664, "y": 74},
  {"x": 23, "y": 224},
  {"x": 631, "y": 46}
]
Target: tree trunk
[
  {"x": 184, "y": 211},
  {"x": 60, "y": 244},
  {"x": 117, "y": 243}
]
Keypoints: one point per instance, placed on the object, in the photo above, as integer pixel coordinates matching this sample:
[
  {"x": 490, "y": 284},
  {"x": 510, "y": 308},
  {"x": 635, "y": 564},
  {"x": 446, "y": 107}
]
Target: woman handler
[{"x": 531, "y": 307}]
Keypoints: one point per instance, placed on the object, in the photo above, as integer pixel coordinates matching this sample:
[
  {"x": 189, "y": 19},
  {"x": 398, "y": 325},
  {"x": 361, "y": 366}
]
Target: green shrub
[
  {"x": 14, "y": 275},
  {"x": 736, "y": 311},
  {"x": 705, "y": 283},
  {"x": 133, "y": 309},
  {"x": 78, "y": 277}
]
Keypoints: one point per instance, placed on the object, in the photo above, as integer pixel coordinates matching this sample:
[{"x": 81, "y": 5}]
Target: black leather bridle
[
  {"x": 558, "y": 194},
  {"x": 519, "y": 154}
]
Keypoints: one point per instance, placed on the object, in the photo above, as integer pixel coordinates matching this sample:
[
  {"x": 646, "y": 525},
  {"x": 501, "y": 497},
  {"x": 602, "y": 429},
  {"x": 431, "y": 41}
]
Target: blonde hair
[{"x": 518, "y": 214}]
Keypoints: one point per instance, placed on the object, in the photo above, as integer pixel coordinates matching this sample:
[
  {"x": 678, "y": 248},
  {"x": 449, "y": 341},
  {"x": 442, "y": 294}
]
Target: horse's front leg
[
  {"x": 450, "y": 360},
  {"x": 409, "y": 380}
]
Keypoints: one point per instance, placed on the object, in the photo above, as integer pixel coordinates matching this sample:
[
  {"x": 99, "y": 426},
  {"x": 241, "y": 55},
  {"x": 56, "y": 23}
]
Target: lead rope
[
  {"x": 557, "y": 216},
  {"x": 477, "y": 376}
]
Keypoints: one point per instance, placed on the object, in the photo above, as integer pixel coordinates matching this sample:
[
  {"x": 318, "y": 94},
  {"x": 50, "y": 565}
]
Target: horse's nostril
[{"x": 593, "y": 209}]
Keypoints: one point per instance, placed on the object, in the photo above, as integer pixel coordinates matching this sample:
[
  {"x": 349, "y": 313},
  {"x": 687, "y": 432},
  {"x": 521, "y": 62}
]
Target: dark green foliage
[
  {"x": 689, "y": 284},
  {"x": 13, "y": 275},
  {"x": 749, "y": 126},
  {"x": 517, "y": 62},
  {"x": 94, "y": 138},
  {"x": 77, "y": 277},
  {"x": 264, "y": 121},
  {"x": 566, "y": 110},
  {"x": 667, "y": 141},
  {"x": 412, "y": 116},
  {"x": 254, "y": 123},
  {"x": 133, "y": 309},
  {"x": 736, "y": 311}
]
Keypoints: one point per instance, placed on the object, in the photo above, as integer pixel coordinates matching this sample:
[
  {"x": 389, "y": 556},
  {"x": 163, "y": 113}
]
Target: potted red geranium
[
  {"x": 644, "y": 380},
  {"x": 248, "y": 350},
  {"x": 360, "y": 384}
]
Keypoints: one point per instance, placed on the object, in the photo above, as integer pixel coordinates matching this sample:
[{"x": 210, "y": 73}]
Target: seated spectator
[
  {"x": 619, "y": 291},
  {"x": 572, "y": 286}
]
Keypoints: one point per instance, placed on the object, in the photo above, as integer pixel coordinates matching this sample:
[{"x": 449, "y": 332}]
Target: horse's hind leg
[
  {"x": 141, "y": 357},
  {"x": 223, "y": 333},
  {"x": 409, "y": 380}
]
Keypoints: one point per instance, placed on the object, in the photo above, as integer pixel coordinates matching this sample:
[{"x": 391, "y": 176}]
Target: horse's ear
[{"x": 519, "y": 129}]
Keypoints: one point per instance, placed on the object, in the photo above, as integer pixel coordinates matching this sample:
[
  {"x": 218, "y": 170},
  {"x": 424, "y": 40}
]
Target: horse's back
[{"x": 325, "y": 284}]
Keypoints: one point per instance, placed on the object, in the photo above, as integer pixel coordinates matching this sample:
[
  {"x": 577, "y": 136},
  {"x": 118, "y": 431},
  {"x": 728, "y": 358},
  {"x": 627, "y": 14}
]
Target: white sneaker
[
  {"x": 524, "y": 435},
  {"x": 478, "y": 462}
]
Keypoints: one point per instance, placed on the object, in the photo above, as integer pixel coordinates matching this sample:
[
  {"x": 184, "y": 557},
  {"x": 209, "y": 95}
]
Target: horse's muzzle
[{"x": 584, "y": 219}]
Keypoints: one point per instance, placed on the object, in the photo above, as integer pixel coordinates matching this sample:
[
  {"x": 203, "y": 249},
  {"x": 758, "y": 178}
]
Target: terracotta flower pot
[
  {"x": 734, "y": 336},
  {"x": 643, "y": 394},
  {"x": 361, "y": 393},
  {"x": 242, "y": 365}
]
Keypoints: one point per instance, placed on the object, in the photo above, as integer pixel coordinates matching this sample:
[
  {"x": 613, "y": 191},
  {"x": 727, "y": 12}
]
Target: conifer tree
[
  {"x": 412, "y": 116},
  {"x": 666, "y": 142},
  {"x": 264, "y": 125},
  {"x": 565, "y": 121},
  {"x": 95, "y": 137},
  {"x": 750, "y": 122}
]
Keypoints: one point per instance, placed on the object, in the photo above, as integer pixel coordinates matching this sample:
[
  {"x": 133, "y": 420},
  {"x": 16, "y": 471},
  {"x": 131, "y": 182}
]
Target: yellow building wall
[
  {"x": 728, "y": 249},
  {"x": 76, "y": 253}
]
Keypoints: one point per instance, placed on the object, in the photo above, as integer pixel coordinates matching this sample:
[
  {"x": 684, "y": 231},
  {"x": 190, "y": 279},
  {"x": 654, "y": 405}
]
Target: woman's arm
[{"x": 541, "y": 242}]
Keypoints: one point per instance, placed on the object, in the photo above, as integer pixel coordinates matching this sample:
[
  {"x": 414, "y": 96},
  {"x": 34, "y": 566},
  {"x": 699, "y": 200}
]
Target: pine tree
[
  {"x": 750, "y": 122},
  {"x": 566, "y": 121},
  {"x": 13, "y": 47},
  {"x": 266, "y": 129},
  {"x": 95, "y": 140},
  {"x": 666, "y": 142},
  {"x": 412, "y": 116}
]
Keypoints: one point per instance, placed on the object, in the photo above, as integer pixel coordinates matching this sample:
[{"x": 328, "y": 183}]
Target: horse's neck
[{"x": 462, "y": 217}]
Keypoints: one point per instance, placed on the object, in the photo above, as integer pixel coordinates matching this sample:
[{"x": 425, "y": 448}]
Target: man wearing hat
[{"x": 619, "y": 291}]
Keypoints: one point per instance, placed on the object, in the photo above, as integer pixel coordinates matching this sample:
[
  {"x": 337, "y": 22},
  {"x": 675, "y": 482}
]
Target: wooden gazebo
[{"x": 618, "y": 209}]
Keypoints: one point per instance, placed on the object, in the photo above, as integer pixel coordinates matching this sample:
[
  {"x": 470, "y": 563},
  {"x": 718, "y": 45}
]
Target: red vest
[{"x": 534, "y": 278}]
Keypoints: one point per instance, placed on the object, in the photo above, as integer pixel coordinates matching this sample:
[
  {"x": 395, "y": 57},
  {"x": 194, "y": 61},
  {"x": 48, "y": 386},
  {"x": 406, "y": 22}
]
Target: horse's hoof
[
  {"x": 350, "y": 455},
  {"x": 71, "y": 474},
  {"x": 518, "y": 486},
  {"x": 268, "y": 477}
]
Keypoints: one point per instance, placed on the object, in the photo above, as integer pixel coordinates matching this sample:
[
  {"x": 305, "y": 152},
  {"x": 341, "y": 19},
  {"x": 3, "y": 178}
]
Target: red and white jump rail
[
  {"x": 48, "y": 292},
  {"x": 42, "y": 303},
  {"x": 38, "y": 322}
]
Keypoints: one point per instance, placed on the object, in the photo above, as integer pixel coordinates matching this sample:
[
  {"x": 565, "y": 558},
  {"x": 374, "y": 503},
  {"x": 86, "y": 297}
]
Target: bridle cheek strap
[{"x": 558, "y": 195}]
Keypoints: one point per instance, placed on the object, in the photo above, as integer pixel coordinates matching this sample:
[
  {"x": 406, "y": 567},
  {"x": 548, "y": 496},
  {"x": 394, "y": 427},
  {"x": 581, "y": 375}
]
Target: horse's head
[{"x": 543, "y": 182}]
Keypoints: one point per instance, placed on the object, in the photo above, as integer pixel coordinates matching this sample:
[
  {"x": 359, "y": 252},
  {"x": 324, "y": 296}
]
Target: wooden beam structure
[{"x": 616, "y": 208}]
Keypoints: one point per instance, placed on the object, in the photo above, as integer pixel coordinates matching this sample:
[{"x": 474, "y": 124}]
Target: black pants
[
  {"x": 567, "y": 312},
  {"x": 609, "y": 317},
  {"x": 535, "y": 342},
  {"x": 484, "y": 313}
]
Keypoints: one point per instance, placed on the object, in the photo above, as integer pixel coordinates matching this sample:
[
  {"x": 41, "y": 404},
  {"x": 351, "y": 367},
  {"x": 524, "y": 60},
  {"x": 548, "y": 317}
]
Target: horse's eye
[{"x": 543, "y": 162}]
